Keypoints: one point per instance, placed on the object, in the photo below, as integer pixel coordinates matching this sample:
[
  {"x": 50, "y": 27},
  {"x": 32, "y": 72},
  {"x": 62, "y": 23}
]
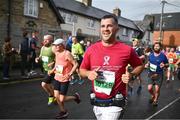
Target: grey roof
[
  {"x": 170, "y": 21},
  {"x": 146, "y": 24},
  {"x": 80, "y": 8},
  {"x": 90, "y": 11},
  {"x": 127, "y": 23}
]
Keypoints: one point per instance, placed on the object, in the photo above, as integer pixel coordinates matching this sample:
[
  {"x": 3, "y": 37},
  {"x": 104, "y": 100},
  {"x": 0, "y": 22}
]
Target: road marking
[
  {"x": 163, "y": 108},
  {"x": 21, "y": 81}
]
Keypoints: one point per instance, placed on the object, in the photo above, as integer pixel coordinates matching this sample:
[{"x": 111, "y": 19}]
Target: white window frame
[
  {"x": 31, "y": 8},
  {"x": 125, "y": 31},
  {"x": 91, "y": 23},
  {"x": 69, "y": 18}
]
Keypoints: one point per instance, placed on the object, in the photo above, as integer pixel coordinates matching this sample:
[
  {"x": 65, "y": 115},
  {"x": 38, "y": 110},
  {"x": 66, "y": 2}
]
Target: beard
[{"x": 157, "y": 50}]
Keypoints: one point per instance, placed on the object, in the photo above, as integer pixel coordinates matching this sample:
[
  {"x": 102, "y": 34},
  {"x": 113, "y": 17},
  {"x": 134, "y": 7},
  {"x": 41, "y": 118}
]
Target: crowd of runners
[{"x": 66, "y": 62}]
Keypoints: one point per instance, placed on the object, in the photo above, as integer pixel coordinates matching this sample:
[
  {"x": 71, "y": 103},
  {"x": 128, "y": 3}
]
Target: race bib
[
  {"x": 59, "y": 69},
  {"x": 45, "y": 59},
  {"x": 171, "y": 60},
  {"x": 104, "y": 82},
  {"x": 153, "y": 67}
]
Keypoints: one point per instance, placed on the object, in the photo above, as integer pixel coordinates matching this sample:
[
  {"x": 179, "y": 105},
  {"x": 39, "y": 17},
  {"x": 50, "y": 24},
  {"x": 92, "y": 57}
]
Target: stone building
[{"x": 17, "y": 16}]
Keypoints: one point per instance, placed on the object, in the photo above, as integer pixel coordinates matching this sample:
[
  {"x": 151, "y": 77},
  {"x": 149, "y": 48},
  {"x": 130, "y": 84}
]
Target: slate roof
[
  {"x": 127, "y": 23},
  {"x": 171, "y": 21},
  {"x": 90, "y": 11}
]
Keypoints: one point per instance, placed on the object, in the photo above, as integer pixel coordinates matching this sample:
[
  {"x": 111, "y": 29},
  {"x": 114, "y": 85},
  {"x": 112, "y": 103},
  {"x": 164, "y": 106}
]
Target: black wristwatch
[{"x": 133, "y": 76}]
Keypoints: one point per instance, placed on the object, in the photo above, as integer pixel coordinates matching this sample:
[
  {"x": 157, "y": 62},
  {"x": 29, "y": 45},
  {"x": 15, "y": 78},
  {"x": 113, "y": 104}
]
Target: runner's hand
[
  {"x": 66, "y": 77},
  {"x": 126, "y": 77},
  {"x": 92, "y": 75}
]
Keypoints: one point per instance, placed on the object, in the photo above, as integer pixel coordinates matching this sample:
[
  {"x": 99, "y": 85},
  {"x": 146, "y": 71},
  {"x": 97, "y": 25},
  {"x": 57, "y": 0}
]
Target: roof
[
  {"x": 170, "y": 21},
  {"x": 127, "y": 23},
  {"x": 80, "y": 8},
  {"x": 59, "y": 17},
  {"x": 90, "y": 11}
]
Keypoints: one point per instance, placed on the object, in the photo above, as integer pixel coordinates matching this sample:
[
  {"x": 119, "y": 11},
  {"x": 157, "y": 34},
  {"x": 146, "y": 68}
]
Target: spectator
[
  {"x": 24, "y": 51},
  {"x": 7, "y": 52}
]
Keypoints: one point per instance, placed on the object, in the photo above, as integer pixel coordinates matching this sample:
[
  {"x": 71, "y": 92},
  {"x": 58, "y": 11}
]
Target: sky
[{"x": 136, "y": 9}]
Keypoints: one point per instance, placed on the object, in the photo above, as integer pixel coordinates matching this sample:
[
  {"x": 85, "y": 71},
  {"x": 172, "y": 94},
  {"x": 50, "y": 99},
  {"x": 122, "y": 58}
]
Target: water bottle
[
  {"x": 118, "y": 100},
  {"x": 119, "y": 96}
]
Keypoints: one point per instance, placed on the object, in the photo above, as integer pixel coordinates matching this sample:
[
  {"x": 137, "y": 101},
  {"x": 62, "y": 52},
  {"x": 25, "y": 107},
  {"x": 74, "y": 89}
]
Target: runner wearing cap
[{"x": 64, "y": 67}]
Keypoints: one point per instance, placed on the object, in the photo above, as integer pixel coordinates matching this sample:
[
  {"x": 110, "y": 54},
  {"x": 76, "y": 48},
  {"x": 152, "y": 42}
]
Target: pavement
[{"x": 15, "y": 76}]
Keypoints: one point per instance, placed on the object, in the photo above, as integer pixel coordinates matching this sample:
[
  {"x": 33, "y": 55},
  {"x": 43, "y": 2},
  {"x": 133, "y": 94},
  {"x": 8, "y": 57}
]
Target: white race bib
[
  {"x": 105, "y": 82},
  {"x": 171, "y": 60},
  {"x": 45, "y": 59},
  {"x": 153, "y": 67},
  {"x": 59, "y": 69}
]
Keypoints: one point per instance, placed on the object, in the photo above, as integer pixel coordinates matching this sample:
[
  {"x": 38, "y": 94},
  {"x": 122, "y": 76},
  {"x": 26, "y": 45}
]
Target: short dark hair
[
  {"x": 111, "y": 16},
  {"x": 158, "y": 44},
  {"x": 25, "y": 33}
]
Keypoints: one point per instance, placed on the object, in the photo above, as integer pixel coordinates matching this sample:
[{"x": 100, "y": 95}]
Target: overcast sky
[{"x": 136, "y": 9}]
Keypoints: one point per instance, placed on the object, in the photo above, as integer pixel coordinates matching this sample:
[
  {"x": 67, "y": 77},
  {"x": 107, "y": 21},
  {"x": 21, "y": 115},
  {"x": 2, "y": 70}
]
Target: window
[
  {"x": 91, "y": 23},
  {"x": 69, "y": 18},
  {"x": 125, "y": 31},
  {"x": 31, "y": 8}
]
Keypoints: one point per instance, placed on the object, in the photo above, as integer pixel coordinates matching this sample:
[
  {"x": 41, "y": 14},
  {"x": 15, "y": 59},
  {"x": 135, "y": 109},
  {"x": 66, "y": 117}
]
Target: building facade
[
  {"x": 170, "y": 29},
  {"x": 83, "y": 20},
  {"x": 17, "y": 16}
]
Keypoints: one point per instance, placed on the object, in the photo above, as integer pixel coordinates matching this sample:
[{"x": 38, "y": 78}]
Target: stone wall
[{"x": 46, "y": 23}]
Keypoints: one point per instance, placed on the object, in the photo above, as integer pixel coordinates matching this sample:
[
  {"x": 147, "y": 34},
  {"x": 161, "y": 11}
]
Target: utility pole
[{"x": 163, "y": 2}]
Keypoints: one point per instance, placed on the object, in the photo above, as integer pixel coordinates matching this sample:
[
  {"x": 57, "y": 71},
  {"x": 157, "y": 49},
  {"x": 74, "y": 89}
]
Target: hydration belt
[{"x": 108, "y": 102}]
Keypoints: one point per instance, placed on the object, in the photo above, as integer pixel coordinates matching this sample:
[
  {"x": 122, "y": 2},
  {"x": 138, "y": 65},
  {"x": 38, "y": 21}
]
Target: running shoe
[
  {"x": 155, "y": 103},
  {"x": 80, "y": 82},
  {"x": 139, "y": 89},
  {"x": 77, "y": 99},
  {"x": 73, "y": 81},
  {"x": 50, "y": 100},
  {"x": 167, "y": 81},
  {"x": 62, "y": 115}
]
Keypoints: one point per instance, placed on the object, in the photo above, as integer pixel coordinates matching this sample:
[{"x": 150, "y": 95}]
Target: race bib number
[
  {"x": 153, "y": 67},
  {"x": 45, "y": 59},
  {"x": 104, "y": 82},
  {"x": 171, "y": 60},
  {"x": 59, "y": 69}
]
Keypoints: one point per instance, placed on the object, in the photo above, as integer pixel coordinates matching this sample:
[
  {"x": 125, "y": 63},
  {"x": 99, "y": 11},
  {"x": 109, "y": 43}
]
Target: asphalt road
[{"x": 27, "y": 100}]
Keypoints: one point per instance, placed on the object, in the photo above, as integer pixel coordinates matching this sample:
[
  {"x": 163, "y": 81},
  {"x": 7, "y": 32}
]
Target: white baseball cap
[{"x": 59, "y": 41}]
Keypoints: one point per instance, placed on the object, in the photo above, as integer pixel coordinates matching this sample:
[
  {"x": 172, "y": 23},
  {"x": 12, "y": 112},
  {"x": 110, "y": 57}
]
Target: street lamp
[{"x": 163, "y": 2}]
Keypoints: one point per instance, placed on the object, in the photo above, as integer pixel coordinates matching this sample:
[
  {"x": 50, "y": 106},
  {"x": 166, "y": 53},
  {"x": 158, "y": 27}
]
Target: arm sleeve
[{"x": 134, "y": 59}]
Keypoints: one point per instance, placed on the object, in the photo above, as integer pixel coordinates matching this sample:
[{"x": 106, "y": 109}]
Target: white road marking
[{"x": 163, "y": 108}]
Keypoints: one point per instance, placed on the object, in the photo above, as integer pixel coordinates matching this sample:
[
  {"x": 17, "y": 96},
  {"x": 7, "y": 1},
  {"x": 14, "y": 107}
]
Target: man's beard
[{"x": 157, "y": 50}]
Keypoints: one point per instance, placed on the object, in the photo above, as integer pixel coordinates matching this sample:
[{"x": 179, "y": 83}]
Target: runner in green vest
[{"x": 47, "y": 57}]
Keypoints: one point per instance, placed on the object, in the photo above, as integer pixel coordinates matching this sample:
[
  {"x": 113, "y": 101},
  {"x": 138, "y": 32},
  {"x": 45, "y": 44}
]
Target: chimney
[
  {"x": 117, "y": 12},
  {"x": 87, "y": 2}
]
